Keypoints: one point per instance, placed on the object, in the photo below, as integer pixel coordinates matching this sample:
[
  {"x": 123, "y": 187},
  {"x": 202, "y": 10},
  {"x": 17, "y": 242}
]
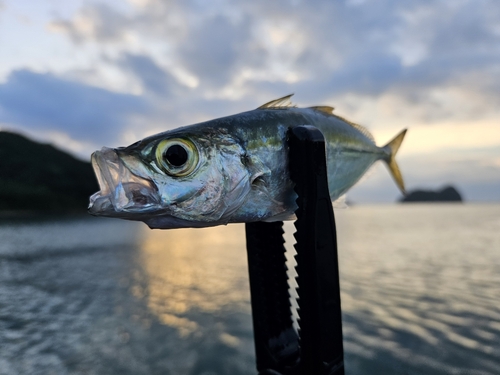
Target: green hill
[{"x": 39, "y": 177}]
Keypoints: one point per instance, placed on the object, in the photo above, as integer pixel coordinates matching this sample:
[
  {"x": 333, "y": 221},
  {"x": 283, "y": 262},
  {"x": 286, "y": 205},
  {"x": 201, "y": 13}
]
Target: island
[
  {"x": 40, "y": 177},
  {"x": 447, "y": 194}
]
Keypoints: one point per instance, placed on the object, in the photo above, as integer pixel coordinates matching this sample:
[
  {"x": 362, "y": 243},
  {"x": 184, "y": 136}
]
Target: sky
[{"x": 85, "y": 74}]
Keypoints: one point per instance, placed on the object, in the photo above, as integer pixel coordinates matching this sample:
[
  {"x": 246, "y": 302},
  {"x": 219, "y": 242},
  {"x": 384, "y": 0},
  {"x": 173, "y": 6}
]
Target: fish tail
[{"x": 391, "y": 149}]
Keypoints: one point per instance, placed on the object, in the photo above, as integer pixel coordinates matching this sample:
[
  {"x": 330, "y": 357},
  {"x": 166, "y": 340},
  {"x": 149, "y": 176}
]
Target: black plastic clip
[{"x": 317, "y": 348}]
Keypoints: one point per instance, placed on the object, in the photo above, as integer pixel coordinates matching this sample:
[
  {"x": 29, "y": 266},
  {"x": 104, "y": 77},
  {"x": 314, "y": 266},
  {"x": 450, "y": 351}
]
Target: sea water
[{"x": 420, "y": 294}]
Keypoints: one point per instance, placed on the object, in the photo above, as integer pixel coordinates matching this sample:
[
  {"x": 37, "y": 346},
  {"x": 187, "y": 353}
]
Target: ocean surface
[{"x": 420, "y": 294}]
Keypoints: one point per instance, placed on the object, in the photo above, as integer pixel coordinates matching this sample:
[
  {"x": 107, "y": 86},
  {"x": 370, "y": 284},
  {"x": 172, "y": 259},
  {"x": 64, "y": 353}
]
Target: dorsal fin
[
  {"x": 359, "y": 128},
  {"x": 323, "y": 108},
  {"x": 283, "y": 102}
]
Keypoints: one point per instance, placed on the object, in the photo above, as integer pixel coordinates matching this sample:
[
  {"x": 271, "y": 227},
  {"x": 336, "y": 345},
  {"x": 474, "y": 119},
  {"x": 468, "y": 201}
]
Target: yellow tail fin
[{"x": 392, "y": 148}]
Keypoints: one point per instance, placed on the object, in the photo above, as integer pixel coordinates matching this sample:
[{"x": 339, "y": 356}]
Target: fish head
[{"x": 173, "y": 180}]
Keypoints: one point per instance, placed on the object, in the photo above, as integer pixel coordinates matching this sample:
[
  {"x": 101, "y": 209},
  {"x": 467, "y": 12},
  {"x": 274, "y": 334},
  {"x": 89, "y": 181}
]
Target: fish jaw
[{"x": 121, "y": 192}]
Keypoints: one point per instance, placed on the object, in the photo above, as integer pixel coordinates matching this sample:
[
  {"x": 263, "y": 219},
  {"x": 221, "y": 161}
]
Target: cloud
[
  {"x": 318, "y": 47},
  {"x": 254, "y": 51},
  {"x": 98, "y": 22},
  {"x": 44, "y": 101},
  {"x": 214, "y": 48},
  {"x": 153, "y": 78}
]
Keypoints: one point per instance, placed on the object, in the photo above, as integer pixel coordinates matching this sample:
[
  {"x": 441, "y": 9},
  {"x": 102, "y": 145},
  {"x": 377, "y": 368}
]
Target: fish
[{"x": 233, "y": 169}]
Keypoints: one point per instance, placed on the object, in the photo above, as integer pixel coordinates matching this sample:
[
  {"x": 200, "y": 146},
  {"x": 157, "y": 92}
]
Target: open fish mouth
[{"x": 120, "y": 190}]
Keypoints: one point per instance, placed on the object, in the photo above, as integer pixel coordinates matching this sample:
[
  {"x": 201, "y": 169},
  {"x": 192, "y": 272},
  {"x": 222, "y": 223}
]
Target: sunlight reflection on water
[{"x": 203, "y": 270}]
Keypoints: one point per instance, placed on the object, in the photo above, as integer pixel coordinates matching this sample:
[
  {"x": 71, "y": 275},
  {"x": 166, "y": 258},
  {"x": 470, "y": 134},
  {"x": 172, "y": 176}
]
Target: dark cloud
[
  {"x": 467, "y": 27},
  {"x": 44, "y": 101},
  {"x": 213, "y": 49},
  {"x": 369, "y": 73},
  {"x": 153, "y": 78}
]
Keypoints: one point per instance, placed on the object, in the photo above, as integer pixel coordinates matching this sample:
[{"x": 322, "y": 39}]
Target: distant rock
[
  {"x": 39, "y": 177},
  {"x": 447, "y": 194}
]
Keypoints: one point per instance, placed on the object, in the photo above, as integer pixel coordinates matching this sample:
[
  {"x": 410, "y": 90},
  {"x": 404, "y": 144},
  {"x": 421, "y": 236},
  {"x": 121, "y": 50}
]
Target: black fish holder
[{"x": 316, "y": 349}]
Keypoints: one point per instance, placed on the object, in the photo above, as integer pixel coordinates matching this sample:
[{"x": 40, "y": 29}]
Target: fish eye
[{"x": 177, "y": 157}]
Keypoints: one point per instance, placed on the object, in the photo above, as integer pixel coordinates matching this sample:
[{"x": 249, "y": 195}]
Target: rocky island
[{"x": 447, "y": 194}]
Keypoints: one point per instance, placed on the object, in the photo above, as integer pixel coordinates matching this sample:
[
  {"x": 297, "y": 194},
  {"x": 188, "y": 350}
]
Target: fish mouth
[{"x": 121, "y": 191}]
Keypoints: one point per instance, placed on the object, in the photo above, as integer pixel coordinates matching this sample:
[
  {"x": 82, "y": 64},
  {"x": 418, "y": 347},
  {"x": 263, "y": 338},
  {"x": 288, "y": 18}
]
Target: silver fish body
[{"x": 228, "y": 170}]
